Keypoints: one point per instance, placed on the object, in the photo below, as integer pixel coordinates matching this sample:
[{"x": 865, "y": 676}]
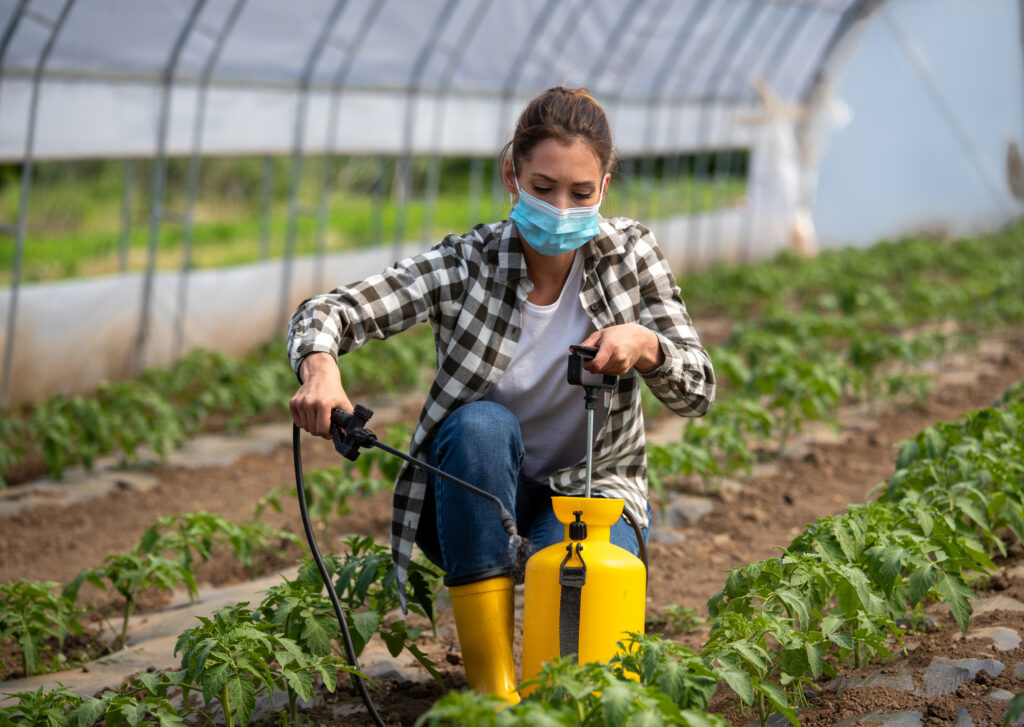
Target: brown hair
[{"x": 566, "y": 114}]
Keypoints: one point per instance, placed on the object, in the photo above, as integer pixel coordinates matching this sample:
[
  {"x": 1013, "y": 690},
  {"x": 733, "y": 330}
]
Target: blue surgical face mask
[{"x": 549, "y": 230}]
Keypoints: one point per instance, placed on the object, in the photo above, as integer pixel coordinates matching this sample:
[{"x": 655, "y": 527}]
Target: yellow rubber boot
[{"x": 484, "y": 617}]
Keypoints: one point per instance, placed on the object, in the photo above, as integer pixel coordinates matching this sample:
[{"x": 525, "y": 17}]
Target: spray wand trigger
[
  {"x": 575, "y": 377},
  {"x": 348, "y": 432}
]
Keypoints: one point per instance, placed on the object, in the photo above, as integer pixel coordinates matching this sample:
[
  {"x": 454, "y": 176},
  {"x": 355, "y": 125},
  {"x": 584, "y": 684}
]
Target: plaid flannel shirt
[{"x": 471, "y": 288}]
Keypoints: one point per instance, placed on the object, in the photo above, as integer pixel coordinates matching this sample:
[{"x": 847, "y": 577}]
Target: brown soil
[{"x": 818, "y": 479}]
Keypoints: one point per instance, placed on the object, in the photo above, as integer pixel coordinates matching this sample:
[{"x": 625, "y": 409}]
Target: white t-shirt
[{"x": 534, "y": 388}]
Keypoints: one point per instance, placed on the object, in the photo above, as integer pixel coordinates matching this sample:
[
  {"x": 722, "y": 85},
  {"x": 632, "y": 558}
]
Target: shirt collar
[{"x": 511, "y": 260}]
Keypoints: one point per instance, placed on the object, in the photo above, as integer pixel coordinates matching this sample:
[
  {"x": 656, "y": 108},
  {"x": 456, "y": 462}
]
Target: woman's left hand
[{"x": 623, "y": 347}]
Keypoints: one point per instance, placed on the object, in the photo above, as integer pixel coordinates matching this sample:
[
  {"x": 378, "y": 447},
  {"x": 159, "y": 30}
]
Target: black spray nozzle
[{"x": 348, "y": 431}]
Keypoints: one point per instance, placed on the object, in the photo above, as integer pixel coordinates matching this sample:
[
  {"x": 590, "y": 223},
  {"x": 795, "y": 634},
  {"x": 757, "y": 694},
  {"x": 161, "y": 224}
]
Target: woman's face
[{"x": 562, "y": 175}]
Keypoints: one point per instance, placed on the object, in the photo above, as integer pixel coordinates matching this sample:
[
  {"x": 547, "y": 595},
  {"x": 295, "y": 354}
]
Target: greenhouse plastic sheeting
[
  {"x": 232, "y": 310},
  {"x": 441, "y": 76}
]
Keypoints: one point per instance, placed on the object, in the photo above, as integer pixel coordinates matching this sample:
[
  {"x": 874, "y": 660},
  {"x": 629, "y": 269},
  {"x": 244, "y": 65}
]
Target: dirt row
[{"x": 749, "y": 518}]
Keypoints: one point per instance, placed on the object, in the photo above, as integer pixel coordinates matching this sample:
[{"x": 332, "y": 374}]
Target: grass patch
[{"x": 75, "y": 229}]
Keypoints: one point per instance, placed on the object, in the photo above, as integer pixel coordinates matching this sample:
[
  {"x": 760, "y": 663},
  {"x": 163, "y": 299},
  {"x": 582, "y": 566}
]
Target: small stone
[
  {"x": 890, "y": 677},
  {"x": 877, "y": 717},
  {"x": 997, "y": 603},
  {"x": 665, "y": 535},
  {"x": 685, "y": 510},
  {"x": 943, "y": 675},
  {"x": 732, "y": 486},
  {"x": 775, "y": 720},
  {"x": 1003, "y": 638},
  {"x": 999, "y": 695}
]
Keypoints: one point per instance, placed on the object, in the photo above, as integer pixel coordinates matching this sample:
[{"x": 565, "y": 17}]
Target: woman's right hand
[{"x": 320, "y": 392}]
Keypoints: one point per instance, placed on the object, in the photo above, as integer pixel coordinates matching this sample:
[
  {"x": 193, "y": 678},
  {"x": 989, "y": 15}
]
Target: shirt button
[{"x": 595, "y": 307}]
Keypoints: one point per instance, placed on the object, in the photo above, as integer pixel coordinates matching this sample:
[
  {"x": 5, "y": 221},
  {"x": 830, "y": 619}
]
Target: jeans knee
[{"x": 480, "y": 426}]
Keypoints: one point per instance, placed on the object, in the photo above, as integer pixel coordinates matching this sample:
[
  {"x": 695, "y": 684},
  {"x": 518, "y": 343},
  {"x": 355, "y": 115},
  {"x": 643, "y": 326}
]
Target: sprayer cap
[{"x": 578, "y": 529}]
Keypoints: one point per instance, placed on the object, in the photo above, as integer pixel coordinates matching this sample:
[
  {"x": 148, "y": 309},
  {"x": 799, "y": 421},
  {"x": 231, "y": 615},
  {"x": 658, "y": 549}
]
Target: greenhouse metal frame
[{"x": 682, "y": 80}]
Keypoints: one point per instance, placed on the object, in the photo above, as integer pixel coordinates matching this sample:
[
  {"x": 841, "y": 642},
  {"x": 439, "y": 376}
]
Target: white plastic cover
[{"x": 386, "y": 63}]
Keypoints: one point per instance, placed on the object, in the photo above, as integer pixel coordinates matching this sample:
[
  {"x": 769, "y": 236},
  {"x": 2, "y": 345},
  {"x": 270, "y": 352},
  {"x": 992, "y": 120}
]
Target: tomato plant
[
  {"x": 144, "y": 699},
  {"x": 365, "y": 583},
  {"x": 41, "y": 708},
  {"x": 31, "y": 611},
  {"x": 653, "y": 682},
  {"x": 192, "y": 536},
  {"x": 233, "y": 656},
  {"x": 131, "y": 573}
]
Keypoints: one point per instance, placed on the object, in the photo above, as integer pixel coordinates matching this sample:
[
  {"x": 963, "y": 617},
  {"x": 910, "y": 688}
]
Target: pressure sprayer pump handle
[{"x": 575, "y": 377}]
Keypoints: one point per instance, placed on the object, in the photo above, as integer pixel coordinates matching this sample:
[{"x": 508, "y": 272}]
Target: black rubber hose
[
  {"x": 307, "y": 526},
  {"x": 639, "y": 537},
  {"x": 357, "y": 436},
  {"x": 508, "y": 522}
]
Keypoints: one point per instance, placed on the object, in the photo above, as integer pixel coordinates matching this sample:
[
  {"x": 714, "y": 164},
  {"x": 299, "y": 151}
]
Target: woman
[{"x": 505, "y": 301}]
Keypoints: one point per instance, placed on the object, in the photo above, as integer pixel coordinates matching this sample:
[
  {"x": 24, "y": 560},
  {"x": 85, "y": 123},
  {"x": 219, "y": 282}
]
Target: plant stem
[
  {"x": 129, "y": 606},
  {"x": 225, "y": 702},
  {"x": 188, "y": 548}
]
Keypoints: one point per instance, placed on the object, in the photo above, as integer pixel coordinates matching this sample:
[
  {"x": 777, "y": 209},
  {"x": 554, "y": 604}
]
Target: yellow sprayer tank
[{"x": 610, "y": 593}]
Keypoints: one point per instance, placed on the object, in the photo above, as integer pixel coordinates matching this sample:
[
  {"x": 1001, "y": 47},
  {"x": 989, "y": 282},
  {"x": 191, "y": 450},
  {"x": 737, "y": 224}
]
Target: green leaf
[
  {"x": 921, "y": 581},
  {"x": 132, "y": 713},
  {"x": 329, "y": 674},
  {"x": 737, "y": 679},
  {"x": 154, "y": 682},
  {"x": 242, "y": 693},
  {"x": 845, "y": 540},
  {"x": 751, "y": 653},
  {"x": 925, "y": 520},
  {"x": 88, "y": 712},
  {"x": 364, "y": 626},
  {"x": 645, "y": 719},
  {"x": 394, "y": 638},
  {"x": 316, "y": 633},
  {"x": 831, "y": 624},
  {"x": 890, "y": 566},
  {"x": 971, "y": 509},
  {"x": 814, "y": 659},
  {"x": 842, "y": 639},
  {"x": 301, "y": 682},
  {"x": 615, "y": 702},
  {"x": 956, "y": 593},
  {"x": 213, "y": 680},
  {"x": 778, "y": 698},
  {"x": 797, "y": 605},
  {"x": 168, "y": 717}
]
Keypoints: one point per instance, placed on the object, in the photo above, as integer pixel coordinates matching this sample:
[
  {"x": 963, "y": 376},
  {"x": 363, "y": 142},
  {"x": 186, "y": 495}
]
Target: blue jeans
[{"x": 460, "y": 532}]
